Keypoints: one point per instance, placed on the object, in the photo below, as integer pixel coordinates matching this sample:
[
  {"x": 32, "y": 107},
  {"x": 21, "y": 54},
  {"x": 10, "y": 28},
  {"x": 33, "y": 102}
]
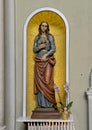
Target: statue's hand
[
  {"x": 42, "y": 46},
  {"x": 44, "y": 57}
]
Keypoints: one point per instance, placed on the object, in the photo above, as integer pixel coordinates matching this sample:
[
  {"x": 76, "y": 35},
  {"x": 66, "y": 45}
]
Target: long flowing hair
[{"x": 40, "y": 31}]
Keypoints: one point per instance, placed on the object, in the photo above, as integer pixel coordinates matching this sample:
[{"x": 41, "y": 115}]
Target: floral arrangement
[{"x": 63, "y": 107}]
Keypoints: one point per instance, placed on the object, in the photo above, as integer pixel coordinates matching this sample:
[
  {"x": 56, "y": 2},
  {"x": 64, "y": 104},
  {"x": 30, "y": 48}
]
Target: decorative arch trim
[{"x": 25, "y": 48}]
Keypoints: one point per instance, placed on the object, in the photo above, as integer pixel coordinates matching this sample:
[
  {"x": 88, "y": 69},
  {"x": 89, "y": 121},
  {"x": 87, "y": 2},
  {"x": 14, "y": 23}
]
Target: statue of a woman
[{"x": 44, "y": 48}]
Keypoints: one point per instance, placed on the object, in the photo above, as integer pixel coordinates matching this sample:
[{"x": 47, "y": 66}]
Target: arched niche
[{"x": 60, "y": 30}]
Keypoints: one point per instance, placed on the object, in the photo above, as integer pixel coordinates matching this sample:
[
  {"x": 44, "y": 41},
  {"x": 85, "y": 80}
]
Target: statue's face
[{"x": 43, "y": 27}]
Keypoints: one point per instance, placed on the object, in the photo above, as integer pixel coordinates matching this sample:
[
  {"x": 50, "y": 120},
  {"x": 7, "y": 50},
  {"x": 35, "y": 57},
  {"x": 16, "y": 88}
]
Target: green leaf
[{"x": 69, "y": 105}]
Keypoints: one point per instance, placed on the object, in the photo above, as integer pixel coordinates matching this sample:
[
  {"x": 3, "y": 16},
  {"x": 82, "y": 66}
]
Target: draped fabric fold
[{"x": 43, "y": 78}]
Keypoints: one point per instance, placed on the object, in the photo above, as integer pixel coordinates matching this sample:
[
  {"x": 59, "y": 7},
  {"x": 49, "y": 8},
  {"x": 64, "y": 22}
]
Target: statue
[{"x": 44, "y": 48}]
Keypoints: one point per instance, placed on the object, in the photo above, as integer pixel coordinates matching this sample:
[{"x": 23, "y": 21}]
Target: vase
[{"x": 65, "y": 115}]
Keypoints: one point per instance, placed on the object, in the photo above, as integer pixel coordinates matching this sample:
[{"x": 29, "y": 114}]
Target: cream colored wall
[{"x": 78, "y": 14}]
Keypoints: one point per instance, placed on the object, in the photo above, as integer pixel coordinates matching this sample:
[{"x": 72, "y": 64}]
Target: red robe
[{"x": 43, "y": 78}]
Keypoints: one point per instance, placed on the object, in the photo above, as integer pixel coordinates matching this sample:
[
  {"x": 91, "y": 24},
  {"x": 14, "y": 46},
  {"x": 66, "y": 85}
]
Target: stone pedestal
[{"x": 45, "y": 113}]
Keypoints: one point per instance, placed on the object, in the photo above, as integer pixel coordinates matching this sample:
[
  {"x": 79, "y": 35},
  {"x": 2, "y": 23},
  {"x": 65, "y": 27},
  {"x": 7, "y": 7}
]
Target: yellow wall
[{"x": 57, "y": 29}]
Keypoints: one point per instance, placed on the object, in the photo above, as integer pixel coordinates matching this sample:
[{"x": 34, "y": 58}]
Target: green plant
[
  {"x": 63, "y": 107},
  {"x": 60, "y": 106}
]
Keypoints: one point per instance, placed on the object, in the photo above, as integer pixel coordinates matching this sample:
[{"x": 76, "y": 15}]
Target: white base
[
  {"x": 48, "y": 124},
  {"x": 29, "y": 119}
]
